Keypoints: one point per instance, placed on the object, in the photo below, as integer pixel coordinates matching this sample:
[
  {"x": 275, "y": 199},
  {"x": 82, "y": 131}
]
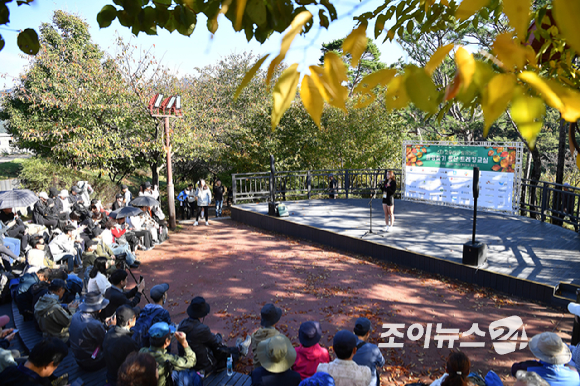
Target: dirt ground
[{"x": 238, "y": 269}]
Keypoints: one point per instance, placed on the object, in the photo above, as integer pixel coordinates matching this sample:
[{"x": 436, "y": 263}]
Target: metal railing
[
  {"x": 296, "y": 185},
  {"x": 550, "y": 201},
  {"x": 544, "y": 201}
]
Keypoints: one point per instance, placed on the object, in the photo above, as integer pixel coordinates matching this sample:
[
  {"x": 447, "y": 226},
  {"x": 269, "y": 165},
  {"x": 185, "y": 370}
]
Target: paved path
[
  {"x": 11, "y": 157},
  {"x": 518, "y": 246},
  {"x": 238, "y": 268}
]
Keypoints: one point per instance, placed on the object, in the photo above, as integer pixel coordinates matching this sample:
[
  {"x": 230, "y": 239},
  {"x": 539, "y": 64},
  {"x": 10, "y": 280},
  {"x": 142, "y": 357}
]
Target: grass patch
[{"x": 10, "y": 170}]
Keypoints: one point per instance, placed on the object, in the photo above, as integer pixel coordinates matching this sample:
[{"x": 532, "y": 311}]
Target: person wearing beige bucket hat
[
  {"x": 277, "y": 355},
  {"x": 553, "y": 355}
]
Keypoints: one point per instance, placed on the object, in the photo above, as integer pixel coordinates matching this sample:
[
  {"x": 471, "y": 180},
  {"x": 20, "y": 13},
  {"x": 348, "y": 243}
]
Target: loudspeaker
[
  {"x": 475, "y": 182},
  {"x": 272, "y": 208},
  {"x": 474, "y": 254}
]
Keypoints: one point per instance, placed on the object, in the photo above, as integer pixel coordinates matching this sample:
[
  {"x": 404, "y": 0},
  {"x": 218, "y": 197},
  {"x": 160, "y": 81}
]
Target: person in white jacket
[{"x": 203, "y": 195}]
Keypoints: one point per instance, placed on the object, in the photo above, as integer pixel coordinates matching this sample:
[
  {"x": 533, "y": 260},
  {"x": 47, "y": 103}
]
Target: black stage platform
[{"x": 526, "y": 258}]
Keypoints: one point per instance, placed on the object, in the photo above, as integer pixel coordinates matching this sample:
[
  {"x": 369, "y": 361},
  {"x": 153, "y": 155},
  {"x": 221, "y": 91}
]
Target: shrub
[{"x": 39, "y": 175}]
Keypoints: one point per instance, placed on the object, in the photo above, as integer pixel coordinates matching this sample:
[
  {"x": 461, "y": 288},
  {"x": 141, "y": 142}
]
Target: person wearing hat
[
  {"x": 119, "y": 203},
  {"x": 75, "y": 196},
  {"x": 87, "y": 332},
  {"x": 309, "y": 354},
  {"x": 118, "y": 296},
  {"x": 63, "y": 205},
  {"x": 118, "y": 343},
  {"x": 41, "y": 214},
  {"x": 553, "y": 356},
  {"x": 270, "y": 315},
  {"x": 367, "y": 354},
  {"x": 43, "y": 360},
  {"x": 277, "y": 356},
  {"x": 181, "y": 367},
  {"x": 343, "y": 369},
  {"x": 152, "y": 313},
  {"x": 146, "y": 189},
  {"x": 52, "y": 318},
  {"x": 210, "y": 351},
  {"x": 127, "y": 196}
]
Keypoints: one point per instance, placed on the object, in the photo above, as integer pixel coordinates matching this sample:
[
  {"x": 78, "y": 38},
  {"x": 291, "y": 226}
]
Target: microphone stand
[{"x": 370, "y": 231}]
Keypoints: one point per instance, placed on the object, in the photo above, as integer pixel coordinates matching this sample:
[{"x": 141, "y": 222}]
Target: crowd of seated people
[
  {"x": 66, "y": 225},
  {"x": 109, "y": 332}
]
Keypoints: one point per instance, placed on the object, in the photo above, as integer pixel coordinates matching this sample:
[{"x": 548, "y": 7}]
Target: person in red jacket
[{"x": 310, "y": 354}]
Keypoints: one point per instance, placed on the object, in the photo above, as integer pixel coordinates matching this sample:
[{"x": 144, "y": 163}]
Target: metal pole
[
  {"x": 474, "y": 220},
  {"x": 170, "y": 189}
]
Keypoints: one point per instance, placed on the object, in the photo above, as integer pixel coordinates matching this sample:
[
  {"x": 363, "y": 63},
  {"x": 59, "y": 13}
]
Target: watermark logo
[
  {"x": 507, "y": 340},
  {"x": 505, "y": 334}
]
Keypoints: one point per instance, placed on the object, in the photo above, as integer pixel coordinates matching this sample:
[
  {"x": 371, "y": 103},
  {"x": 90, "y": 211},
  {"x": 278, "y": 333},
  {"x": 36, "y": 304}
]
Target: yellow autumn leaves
[{"x": 508, "y": 79}]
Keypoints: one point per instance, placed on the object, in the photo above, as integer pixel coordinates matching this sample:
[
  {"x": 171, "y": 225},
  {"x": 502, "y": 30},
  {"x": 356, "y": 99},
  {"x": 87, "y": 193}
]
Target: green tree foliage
[
  {"x": 370, "y": 61},
  {"x": 72, "y": 104},
  {"x": 241, "y": 140}
]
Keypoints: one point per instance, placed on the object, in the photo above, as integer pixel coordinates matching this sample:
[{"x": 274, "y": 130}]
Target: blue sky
[{"x": 180, "y": 53}]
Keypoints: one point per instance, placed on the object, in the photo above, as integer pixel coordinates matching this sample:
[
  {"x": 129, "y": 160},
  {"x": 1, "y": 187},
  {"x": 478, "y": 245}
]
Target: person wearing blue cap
[
  {"x": 309, "y": 355},
  {"x": 343, "y": 369},
  {"x": 179, "y": 368},
  {"x": 270, "y": 315},
  {"x": 367, "y": 354},
  {"x": 51, "y": 317}
]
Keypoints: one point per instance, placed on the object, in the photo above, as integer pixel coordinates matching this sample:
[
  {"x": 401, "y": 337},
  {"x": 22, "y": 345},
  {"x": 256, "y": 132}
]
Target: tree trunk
[
  {"x": 526, "y": 177},
  {"x": 560, "y": 168},
  {"x": 562, "y": 151},
  {"x": 154, "y": 174}
]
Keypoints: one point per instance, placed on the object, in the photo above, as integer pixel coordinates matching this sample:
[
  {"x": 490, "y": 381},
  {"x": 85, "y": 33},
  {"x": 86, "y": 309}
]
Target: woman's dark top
[{"x": 389, "y": 200}]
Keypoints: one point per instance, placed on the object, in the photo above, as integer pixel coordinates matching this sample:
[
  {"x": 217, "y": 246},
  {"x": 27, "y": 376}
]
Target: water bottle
[{"x": 230, "y": 366}]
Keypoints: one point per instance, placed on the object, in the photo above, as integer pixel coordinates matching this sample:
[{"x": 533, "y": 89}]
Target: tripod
[
  {"x": 370, "y": 231},
  {"x": 124, "y": 265}
]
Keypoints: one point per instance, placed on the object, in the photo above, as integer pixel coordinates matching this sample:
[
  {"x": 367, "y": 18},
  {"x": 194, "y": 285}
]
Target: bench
[{"x": 30, "y": 336}]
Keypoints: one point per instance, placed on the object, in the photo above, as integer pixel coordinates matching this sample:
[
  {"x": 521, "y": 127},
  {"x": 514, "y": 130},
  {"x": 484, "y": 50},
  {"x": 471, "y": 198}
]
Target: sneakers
[
  {"x": 391, "y": 228},
  {"x": 207, "y": 223},
  {"x": 387, "y": 228},
  {"x": 244, "y": 345},
  {"x": 195, "y": 224}
]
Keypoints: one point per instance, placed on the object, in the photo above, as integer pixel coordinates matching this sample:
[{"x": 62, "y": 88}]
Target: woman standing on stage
[{"x": 389, "y": 187}]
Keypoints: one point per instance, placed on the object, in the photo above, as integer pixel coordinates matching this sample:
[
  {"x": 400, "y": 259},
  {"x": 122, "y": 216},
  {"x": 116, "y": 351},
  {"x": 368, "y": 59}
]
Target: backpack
[
  {"x": 141, "y": 329},
  {"x": 282, "y": 211}
]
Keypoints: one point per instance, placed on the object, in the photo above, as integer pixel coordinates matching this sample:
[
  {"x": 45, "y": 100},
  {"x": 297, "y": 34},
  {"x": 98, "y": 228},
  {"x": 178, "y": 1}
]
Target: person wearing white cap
[
  {"x": 42, "y": 213},
  {"x": 63, "y": 205},
  {"x": 553, "y": 356}
]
